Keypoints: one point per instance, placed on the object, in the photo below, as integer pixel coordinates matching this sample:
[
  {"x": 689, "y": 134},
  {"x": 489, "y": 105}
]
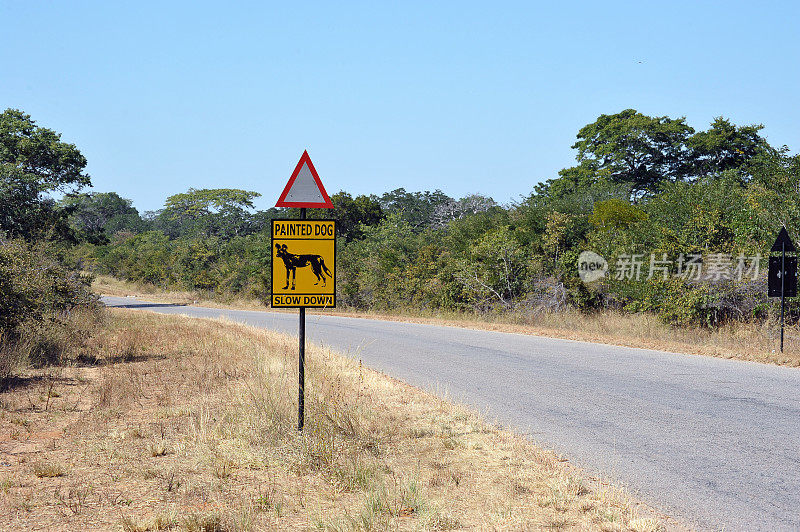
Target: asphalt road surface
[{"x": 712, "y": 442}]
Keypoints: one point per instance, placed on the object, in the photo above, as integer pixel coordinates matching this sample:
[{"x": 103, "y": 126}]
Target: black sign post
[
  {"x": 782, "y": 277},
  {"x": 301, "y": 334}
]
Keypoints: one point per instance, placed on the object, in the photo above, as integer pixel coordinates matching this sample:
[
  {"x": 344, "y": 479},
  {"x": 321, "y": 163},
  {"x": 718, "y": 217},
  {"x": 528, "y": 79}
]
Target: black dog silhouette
[{"x": 292, "y": 262}]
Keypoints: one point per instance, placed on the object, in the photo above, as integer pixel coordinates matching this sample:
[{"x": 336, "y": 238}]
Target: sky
[{"x": 466, "y": 97}]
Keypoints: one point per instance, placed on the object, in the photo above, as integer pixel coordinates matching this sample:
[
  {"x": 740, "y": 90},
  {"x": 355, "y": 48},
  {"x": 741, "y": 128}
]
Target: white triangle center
[{"x": 304, "y": 189}]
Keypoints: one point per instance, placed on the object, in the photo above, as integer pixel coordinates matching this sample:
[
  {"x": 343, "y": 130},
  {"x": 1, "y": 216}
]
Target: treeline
[{"x": 648, "y": 186}]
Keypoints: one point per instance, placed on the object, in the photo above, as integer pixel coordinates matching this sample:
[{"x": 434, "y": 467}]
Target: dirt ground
[{"x": 167, "y": 422}]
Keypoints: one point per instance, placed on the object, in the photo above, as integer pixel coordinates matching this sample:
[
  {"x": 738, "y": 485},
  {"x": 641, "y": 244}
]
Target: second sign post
[{"x": 303, "y": 257}]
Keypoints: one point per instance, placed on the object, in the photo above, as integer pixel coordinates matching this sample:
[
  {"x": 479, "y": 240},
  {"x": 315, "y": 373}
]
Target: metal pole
[
  {"x": 783, "y": 276},
  {"x": 302, "y": 339}
]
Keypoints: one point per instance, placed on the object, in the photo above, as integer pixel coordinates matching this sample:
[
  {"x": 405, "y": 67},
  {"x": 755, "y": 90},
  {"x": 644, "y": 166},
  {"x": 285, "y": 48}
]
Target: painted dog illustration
[{"x": 292, "y": 262}]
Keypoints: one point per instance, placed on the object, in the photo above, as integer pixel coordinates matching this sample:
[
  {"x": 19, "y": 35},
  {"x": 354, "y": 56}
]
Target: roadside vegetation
[
  {"x": 47, "y": 309},
  {"x": 173, "y": 423},
  {"x": 641, "y": 186}
]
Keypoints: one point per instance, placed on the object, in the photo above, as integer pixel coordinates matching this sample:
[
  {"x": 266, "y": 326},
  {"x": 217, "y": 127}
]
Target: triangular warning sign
[
  {"x": 783, "y": 242},
  {"x": 304, "y": 188}
]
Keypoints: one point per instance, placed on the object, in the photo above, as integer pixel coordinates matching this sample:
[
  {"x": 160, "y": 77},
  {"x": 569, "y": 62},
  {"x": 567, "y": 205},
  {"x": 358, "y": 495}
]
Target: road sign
[
  {"x": 782, "y": 276},
  {"x": 783, "y": 242},
  {"x": 789, "y": 275},
  {"x": 307, "y": 247},
  {"x": 305, "y": 188},
  {"x": 303, "y": 263}
]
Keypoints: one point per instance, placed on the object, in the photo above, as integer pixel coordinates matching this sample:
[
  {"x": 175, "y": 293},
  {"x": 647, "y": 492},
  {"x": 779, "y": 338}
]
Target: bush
[
  {"x": 684, "y": 303},
  {"x": 46, "y": 307}
]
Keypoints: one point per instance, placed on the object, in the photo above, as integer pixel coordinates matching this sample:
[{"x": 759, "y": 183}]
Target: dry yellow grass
[
  {"x": 736, "y": 340},
  {"x": 189, "y": 424}
]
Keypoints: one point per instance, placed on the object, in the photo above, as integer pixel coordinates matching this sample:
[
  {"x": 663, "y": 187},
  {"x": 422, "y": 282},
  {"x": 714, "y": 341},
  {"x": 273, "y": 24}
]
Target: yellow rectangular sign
[{"x": 303, "y": 263}]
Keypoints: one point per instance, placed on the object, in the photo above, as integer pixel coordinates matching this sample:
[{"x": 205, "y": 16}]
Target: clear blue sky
[{"x": 462, "y": 96}]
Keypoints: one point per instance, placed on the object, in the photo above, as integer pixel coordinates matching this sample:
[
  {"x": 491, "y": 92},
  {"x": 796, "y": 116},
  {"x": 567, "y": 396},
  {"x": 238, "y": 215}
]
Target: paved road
[{"x": 713, "y": 442}]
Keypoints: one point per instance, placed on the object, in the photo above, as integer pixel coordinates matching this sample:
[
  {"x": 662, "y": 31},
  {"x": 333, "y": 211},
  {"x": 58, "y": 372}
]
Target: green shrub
[{"x": 46, "y": 306}]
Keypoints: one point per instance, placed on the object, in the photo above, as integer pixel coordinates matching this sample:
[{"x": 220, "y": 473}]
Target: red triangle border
[{"x": 327, "y": 204}]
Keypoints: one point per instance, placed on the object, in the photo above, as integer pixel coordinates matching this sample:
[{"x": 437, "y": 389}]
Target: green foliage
[
  {"x": 633, "y": 148},
  {"x": 615, "y": 214},
  {"x": 725, "y": 146},
  {"x": 674, "y": 300},
  {"x": 772, "y": 196},
  {"x": 39, "y": 151},
  {"x": 561, "y": 231},
  {"x": 214, "y": 265},
  {"x": 217, "y": 212},
  {"x": 694, "y": 217},
  {"x": 24, "y": 211},
  {"x": 641, "y": 185},
  {"x": 644, "y": 152},
  {"x": 147, "y": 257},
  {"x": 39, "y": 291},
  {"x": 494, "y": 270},
  {"x": 351, "y": 214},
  {"x": 418, "y": 209},
  {"x": 374, "y": 266},
  {"x": 571, "y": 180},
  {"x": 197, "y": 203},
  {"x": 33, "y": 162},
  {"x": 98, "y": 214},
  {"x": 32, "y": 284}
]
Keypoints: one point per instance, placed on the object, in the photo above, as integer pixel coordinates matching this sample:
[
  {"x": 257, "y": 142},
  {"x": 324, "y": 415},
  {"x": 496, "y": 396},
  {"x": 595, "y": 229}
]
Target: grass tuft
[
  {"x": 210, "y": 522},
  {"x": 157, "y": 448},
  {"x": 153, "y": 524},
  {"x": 49, "y": 470}
]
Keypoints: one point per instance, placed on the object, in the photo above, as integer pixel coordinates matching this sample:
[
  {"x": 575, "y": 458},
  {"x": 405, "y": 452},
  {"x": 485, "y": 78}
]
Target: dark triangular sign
[
  {"x": 304, "y": 188},
  {"x": 783, "y": 242}
]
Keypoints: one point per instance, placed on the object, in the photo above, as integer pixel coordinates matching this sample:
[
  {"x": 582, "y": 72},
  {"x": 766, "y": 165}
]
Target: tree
[
  {"x": 494, "y": 270},
  {"x": 36, "y": 286},
  {"x": 633, "y": 148},
  {"x": 774, "y": 191},
  {"x": 39, "y": 151},
  {"x": 417, "y": 208},
  {"x": 559, "y": 233},
  {"x": 99, "y": 214},
  {"x": 197, "y": 203},
  {"x": 219, "y": 211},
  {"x": 33, "y": 162},
  {"x": 351, "y": 214},
  {"x": 372, "y": 269},
  {"x": 570, "y": 180},
  {"x": 24, "y": 211},
  {"x": 725, "y": 146},
  {"x": 447, "y": 211}
]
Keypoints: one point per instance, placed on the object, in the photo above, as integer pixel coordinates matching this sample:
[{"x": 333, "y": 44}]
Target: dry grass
[
  {"x": 736, "y": 340},
  {"x": 48, "y": 470},
  {"x": 187, "y": 424},
  {"x": 54, "y": 340}
]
